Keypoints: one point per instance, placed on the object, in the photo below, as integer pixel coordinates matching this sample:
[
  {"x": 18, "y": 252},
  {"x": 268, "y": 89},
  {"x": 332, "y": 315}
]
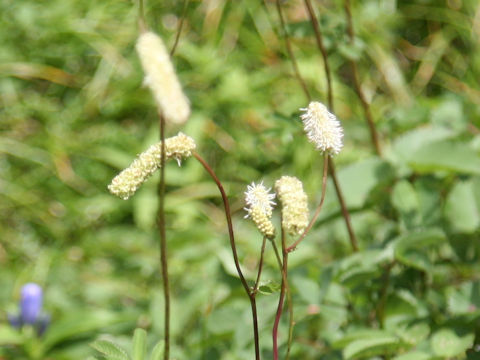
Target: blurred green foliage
[{"x": 73, "y": 113}]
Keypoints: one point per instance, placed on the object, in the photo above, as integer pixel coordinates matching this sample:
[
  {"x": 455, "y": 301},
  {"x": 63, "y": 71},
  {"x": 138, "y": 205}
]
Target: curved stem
[
  {"x": 291, "y": 322},
  {"x": 319, "y": 207},
  {"x": 228, "y": 215},
  {"x": 163, "y": 242},
  {"x": 356, "y": 82},
  {"x": 141, "y": 17},
  {"x": 290, "y": 52},
  {"x": 180, "y": 26},
  {"x": 343, "y": 207},
  {"x": 323, "y": 51},
  {"x": 281, "y": 300},
  {"x": 260, "y": 267},
  {"x": 318, "y": 36}
]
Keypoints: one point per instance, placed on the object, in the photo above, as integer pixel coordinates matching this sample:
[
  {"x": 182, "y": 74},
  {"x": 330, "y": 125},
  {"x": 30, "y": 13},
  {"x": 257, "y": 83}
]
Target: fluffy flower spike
[
  {"x": 294, "y": 204},
  {"x": 322, "y": 128},
  {"x": 161, "y": 78},
  {"x": 259, "y": 208},
  {"x": 129, "y": 180}
]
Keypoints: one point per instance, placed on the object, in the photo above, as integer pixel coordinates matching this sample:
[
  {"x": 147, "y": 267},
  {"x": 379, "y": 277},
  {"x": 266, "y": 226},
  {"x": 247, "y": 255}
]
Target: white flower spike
[
  {"x": 259, "y": 208},
  {"x": 161, "y": 78},
  {"x": 322, "y": 128}
]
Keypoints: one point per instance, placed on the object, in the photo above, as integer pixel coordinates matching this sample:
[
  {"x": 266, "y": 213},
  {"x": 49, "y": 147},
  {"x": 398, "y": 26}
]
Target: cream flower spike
[
  {"x": 294, "y": 204},
  {"x": 322, "y": 128},
  {"x": 129, "y": 180},
  {"x": 259, "y": 208},
  {"x": 161, "y": 78}
]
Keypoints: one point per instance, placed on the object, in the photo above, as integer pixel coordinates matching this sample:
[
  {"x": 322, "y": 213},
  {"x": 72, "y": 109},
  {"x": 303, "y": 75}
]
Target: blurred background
[{"x": 73, "y": 113}]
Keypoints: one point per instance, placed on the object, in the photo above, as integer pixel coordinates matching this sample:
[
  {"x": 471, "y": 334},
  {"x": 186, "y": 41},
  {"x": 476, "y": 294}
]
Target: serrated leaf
[
  {"x": 139, "y": 344},
  {"x": 447, "y": 343},
  {"x": 370, "y": 347},
  {"x": 110, "y": 350}
]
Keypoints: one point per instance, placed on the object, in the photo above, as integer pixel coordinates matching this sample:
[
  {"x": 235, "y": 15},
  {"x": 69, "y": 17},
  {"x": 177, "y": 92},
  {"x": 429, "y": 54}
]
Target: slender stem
[
  {"x": 343, "y": 207},
  {"x": 180, "y": 26},
  {"x": 281, "y": 300},
  {"x": 141, "y": 17},
  {"x": 290, "y": 52},
  {"x": 319, "y": 207},
  {"x": 291, "y": 322},
  {"x": 260, "y": 267},
  {"x": 277, "y": 254},
  {"x": 318, "y": 36},
  {"x": 358, "y": 88},
  {"x": 228, "y": 215},
  {"x": 323, "y": 51},
  {"x": 163, "y": 241}
]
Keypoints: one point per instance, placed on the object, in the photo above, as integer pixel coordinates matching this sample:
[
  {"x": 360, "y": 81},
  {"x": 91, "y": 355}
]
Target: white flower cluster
[
  {"x": 259, "y": 208},
  {"x": 294, "y": 204},
  {"x": 322, "y": 128},
  {"x": 161, "y": 78},
  {"x": 129, "y": 180}
]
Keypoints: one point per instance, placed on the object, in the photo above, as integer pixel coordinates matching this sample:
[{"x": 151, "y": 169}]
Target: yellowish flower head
[
  {"x": 129, "y": 180},
  {"x": 294, "y": 204}
]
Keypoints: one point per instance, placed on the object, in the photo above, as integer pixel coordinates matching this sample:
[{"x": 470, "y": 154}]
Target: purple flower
[{"x": 31, "y": 303}]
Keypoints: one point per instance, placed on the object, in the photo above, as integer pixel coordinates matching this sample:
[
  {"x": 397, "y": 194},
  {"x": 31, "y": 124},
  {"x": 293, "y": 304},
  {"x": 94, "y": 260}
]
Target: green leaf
[
  {"x": 407, "y": 144},
  {"x": 78, "y": 323},
  {"x": 358, "y": 179},
  {"x": 461, "y": 209},
  {"x": 410, "y": 248},
  {"x": 139, "y": 344},
  {"x": 452, "y": 156},
  {"x": 405, "y": 201},
  {"x": 110, "y": 350},
  {"x": 414, "y": 355},
  {"x": 370, "y": 347},
  {"x": 9, "y": 336},
  {"x": 157, "y": 352},
  {"x": 360, "y": 334},
  {"x": 447, "y": 343},
  {"x": 413, "y": 333}
]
